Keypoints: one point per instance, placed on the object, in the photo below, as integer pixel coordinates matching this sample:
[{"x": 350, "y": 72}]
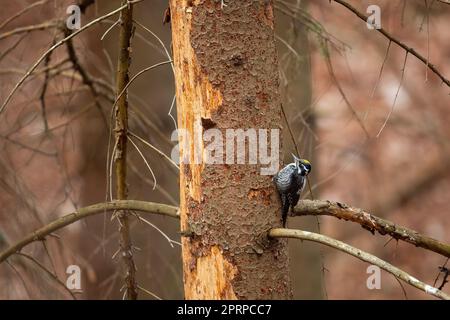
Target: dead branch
[
  {"x": 446, "y": 273},
  {"x": 119, "y": 96},
  {"x": 410, "y": 50},
  {"x": 48, "y": 273},
  {"x": 362, "y": 255},
  {"x": 343, "y": 95},
  {"x": 21, "y": 12},
  {"x": 371, "y": 223},
  {"x": 86, "y": 78},
  {"x": 121, "y": 139},
  {"x": 41, "y": 233},
  {"x": 162, "y": 154},
  {"x": 41, "y": 26},
  {"x": 44, "y": 92},
  {"x": 58, "y": 44},
  {"x": 305, "y": 207}
]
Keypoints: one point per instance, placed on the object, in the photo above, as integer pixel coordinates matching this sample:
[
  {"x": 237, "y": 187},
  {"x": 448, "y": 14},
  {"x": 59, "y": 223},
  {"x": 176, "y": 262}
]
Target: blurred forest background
[{"x": 54, "y": 142}]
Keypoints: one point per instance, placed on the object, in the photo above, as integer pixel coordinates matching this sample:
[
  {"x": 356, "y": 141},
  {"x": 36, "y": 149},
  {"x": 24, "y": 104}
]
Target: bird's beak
[{"x": 297, "y": 160}]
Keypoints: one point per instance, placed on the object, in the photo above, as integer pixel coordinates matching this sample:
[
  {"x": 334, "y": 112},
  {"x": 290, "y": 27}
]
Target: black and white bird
[{"x": 290, "y": 181}]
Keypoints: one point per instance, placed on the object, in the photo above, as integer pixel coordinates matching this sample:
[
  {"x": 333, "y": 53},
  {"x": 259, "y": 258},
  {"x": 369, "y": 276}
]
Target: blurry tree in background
[{"x": 368, "y": 107}]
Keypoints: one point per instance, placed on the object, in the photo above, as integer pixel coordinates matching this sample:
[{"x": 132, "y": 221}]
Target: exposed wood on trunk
[{"x": 226, "y": 73}]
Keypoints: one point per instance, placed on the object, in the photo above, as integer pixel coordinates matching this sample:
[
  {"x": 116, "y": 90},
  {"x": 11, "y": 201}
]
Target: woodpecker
[{"x": 290, "y": 182}]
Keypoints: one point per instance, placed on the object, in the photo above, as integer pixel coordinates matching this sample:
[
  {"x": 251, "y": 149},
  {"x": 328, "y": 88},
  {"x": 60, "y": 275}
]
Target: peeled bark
[{"x": 226, "y": 72}]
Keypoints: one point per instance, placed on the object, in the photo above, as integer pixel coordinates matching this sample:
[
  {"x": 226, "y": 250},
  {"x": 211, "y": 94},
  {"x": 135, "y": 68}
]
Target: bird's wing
[{"x": 284, "y": 178}]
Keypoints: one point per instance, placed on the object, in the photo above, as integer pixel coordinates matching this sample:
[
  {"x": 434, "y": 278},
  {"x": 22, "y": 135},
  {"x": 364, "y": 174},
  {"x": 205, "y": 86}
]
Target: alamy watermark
[
  {"x": 374, "y": 280},
  {"x": 73, "y": 21},
  {"x": 374, "y": 20},
  {"x": 229, "y": 146},
  {"x": 73, "y": 281}
]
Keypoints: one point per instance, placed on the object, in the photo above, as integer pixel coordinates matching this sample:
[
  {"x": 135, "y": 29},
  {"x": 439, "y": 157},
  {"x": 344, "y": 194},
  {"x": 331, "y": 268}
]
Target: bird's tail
[{"x": 284, "y": 209}]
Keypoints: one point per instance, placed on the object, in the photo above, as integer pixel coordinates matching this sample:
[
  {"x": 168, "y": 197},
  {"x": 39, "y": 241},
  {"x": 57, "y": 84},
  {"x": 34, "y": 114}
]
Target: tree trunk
[{"x": 226, "y": 72}]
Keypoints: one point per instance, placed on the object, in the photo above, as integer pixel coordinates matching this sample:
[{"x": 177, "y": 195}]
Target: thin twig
[
  {"x": 146, "y": 162},
  {"x": 109, "y": 29},
  {"x": 398, "y": 42},
  {"x": 24, "y": 10},
  {"x": 159, "y": 40},
  {"x": 21, "y": 278},
  {"x": 396, "y": 96},
  {"x": 344, "y": 96},
  {"x": 446, "y": 274},
  {"x": 372, "y": 95},
  {"x": 149, "y": 293},
  {"x": 37, "y": 27},
  {"x": 48, "y": 272},
  {"x": 136, "y": 76},
  {"x": 58, "y": 44},
  {"x": 148, "y": 144},
  {"x": 85, "y": 77},
  {"x": 12, "y": 47},
  {"x": 170, "y": 241},
  {"x": 162, "y": 190}
]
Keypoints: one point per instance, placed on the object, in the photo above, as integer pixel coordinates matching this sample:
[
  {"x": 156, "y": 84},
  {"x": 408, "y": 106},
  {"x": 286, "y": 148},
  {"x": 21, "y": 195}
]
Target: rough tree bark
[{"x": 226, "y": 72}]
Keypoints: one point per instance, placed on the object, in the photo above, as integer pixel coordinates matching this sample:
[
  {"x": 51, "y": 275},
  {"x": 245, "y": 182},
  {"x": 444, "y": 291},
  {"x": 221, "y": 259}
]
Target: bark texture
[{"x": 227, "y": 77}]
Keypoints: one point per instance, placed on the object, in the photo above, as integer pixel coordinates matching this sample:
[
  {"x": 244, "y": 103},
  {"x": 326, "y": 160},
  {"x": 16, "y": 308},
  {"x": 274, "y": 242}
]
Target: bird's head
[{"x": 303, "y": 166}]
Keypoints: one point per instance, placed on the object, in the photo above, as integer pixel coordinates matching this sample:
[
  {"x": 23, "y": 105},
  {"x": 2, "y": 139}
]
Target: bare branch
[
  {"x": 86, "y": 78},
  {"x": 121, "y": 141},
  {"x": 41, "y": 233},
  {"x": 120, "y": 94},
  {"x": 18, "y": 14},
  {"x": 145, "y": 161},
  {"x": 162, "y": 154},
  {"x": 396, "y": 96},
  {"x": 362, "y": 255},
  {"x": 371, "y": 223},
  {"x": 159, "y": 40},
  {"x": 12, "y": 47},
  {"x": 48, "y": 272},
  {"x": 42, "y": 26},
  {"x": 398, "y": 42},
  {"x": 344, "y": 96},
  {"x": 149, "y": 293},
  {"x": 446, "y": 273},
  {"x": 58, "y": 44}
]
